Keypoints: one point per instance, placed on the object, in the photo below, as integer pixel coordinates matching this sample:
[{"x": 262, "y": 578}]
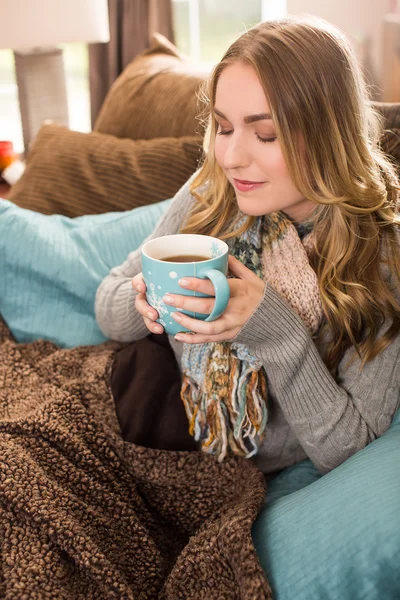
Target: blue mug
[{"x": 167, "y": 259}]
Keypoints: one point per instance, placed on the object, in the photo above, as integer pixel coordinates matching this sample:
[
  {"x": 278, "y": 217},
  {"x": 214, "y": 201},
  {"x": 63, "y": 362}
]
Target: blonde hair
[{"x": 317, "y": 93}]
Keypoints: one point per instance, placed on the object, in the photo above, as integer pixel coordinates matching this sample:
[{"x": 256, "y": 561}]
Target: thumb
[{"x": 239, "y": 269}]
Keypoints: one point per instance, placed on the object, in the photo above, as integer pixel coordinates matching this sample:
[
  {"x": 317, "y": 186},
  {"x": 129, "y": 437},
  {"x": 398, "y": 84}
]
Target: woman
[{"x": 295, "y": 181}]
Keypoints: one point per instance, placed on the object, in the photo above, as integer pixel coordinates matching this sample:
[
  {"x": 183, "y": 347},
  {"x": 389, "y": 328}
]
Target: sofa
[{"x": 84, "y": 202}]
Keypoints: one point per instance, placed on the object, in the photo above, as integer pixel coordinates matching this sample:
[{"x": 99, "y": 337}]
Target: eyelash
[{"x": 260, "y": 139}]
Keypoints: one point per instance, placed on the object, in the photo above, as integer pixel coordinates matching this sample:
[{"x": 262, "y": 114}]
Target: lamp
[{"x": 32, "y": 28}]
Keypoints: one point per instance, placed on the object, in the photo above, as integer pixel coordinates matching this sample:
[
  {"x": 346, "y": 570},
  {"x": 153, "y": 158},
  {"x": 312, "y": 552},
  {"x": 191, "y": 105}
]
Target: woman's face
[{"x": 248, "y": 151}]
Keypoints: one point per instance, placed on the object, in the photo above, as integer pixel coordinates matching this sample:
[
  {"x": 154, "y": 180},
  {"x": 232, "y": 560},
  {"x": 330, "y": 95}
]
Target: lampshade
[{"x": 41, "y": 23}]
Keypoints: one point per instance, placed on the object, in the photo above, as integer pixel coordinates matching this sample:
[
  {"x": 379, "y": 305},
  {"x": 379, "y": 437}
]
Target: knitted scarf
[{"x": 224, "y": 387}]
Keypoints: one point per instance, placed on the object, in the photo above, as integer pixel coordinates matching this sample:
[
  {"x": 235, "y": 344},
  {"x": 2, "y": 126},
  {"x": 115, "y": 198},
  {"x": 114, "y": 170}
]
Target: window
[
  {"x": 76, "y": 60},
  {"x": 205, "y": 28},
  {"x": 76, "y": 72},
  {"x": 10, "y": 121}
]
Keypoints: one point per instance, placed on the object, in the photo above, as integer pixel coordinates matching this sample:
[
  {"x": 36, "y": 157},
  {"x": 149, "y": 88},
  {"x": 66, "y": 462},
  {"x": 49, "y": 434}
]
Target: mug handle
[{"x": 222, "y": 292}]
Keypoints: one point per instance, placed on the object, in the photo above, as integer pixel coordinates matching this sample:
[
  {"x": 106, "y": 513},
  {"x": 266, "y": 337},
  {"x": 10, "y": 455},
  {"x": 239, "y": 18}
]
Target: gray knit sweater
[{"x": 311, "y": 414}]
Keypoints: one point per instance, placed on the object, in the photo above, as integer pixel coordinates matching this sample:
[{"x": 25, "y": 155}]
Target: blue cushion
[
  {"x": 51, "y": 267},
  {"x": 337, "y": 536}
]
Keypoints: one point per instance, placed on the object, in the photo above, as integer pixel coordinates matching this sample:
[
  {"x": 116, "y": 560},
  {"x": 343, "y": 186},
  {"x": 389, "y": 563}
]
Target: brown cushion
[
  {"x": 391, "y": 112},
  {"x": 147, "y": 399},
  {"x": 390, "y": 142},
  {"x": 155, "y": 96},
  {"x": 73, "y": 173}
]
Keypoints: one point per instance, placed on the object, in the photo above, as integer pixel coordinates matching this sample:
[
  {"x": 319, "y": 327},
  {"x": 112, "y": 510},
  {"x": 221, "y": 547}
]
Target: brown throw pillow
[
  {"x": 74, "y": 174},
  {"x": 147, "y": 400},
  {"x": 155, "y": 96}
]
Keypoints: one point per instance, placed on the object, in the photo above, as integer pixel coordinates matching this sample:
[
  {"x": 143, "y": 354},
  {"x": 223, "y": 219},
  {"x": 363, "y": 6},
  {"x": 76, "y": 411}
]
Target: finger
[
  {"x": 153, "y": 327},
  {"x": 197, "y": 338},
  {"x": 194, "y": 304},
  {"x": 204, "y": 286},
  {"x": 144, "y": 308},
  {"x": 239, "y": 269},
  {"x": 138, "y": 284},
  {"x": 205, "y": 327}
]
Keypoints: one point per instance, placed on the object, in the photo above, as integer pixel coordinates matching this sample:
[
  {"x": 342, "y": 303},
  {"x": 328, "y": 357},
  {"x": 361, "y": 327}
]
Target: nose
[{"x": 236, "y": 156}]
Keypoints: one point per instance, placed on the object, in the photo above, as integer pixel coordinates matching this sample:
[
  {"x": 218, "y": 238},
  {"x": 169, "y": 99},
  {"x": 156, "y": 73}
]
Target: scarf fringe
[{"x": 231, "y": 422}]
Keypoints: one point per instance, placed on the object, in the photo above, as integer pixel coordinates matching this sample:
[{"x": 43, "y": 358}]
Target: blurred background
[{"x": 203, "y": 29}]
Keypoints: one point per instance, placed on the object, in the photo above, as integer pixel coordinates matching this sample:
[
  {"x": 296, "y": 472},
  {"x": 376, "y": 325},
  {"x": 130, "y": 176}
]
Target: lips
[{"x": 245, "y": 186}]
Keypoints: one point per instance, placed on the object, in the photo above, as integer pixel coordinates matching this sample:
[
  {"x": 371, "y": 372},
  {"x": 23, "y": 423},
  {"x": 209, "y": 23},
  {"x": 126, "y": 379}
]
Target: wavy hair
[{"x": 317, "y": 94}]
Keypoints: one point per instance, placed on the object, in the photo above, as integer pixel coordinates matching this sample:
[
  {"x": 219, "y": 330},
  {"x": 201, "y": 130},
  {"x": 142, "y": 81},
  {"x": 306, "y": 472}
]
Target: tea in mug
[{"x": 185, "y": 258}]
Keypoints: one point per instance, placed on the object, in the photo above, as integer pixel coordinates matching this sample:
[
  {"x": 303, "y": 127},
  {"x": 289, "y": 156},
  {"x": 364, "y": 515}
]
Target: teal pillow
[
  {"x": 51, "y": 267},
  {"x": 336, "y": 536}
]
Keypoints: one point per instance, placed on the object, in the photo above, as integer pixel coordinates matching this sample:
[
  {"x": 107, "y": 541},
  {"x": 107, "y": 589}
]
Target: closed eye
[
  {"x": 222, "y": 132},
  {"x": 260, "y": 139},
  {"x": 265, "y": 140}
]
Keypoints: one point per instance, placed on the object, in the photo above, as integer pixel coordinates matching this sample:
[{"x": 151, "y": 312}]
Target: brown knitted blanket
[{"x": 86, "y": 515}]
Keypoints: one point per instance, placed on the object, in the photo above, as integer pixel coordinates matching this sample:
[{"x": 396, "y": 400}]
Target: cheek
[
  {"x": 272, "y": 158},
  {"x": 219, "y": 150},
  {"x": 281, "y": 174},
  {"x": 275, "y": 165}
]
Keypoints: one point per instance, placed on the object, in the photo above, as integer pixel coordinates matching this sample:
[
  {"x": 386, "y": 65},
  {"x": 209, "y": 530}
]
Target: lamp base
[{"x": 42, "y": 90}]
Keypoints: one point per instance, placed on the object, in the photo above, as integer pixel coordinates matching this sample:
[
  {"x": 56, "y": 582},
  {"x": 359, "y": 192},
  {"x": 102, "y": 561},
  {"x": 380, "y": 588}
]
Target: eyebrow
[{"x": 249, "y": 119}]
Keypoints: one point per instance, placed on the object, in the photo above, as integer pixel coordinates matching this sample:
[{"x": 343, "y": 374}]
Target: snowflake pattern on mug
[
  {"x": 215, "y": 250},
  {"x": 156, "y": 302}
]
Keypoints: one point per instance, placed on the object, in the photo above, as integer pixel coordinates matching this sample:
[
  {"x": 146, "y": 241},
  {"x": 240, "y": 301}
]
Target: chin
[{"x": 252, "y": 208}]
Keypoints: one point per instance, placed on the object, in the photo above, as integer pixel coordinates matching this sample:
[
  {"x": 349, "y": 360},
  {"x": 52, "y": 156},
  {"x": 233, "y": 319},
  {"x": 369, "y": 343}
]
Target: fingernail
[
  {"x": 177, "y": 316},
  {"x": 150, "y": 315},
  {"x": 158, "y": 329},
  {"x": 138, "y": 288},
  {"x": 169, "y": 299},
  {"x": 179, "y": 337},
  {"x": 184, "y": 282}
]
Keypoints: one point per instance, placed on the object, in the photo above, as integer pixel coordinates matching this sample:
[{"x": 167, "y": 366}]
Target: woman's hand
[
  {"x": 246, "y": 294},
  {"x": 148, "y": 313}
]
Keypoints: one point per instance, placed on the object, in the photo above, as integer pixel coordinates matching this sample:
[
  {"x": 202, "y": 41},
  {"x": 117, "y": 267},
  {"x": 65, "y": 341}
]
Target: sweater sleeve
[
  {"x": 115, "y": 298},
  {"x": 332, "y": 418}
]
